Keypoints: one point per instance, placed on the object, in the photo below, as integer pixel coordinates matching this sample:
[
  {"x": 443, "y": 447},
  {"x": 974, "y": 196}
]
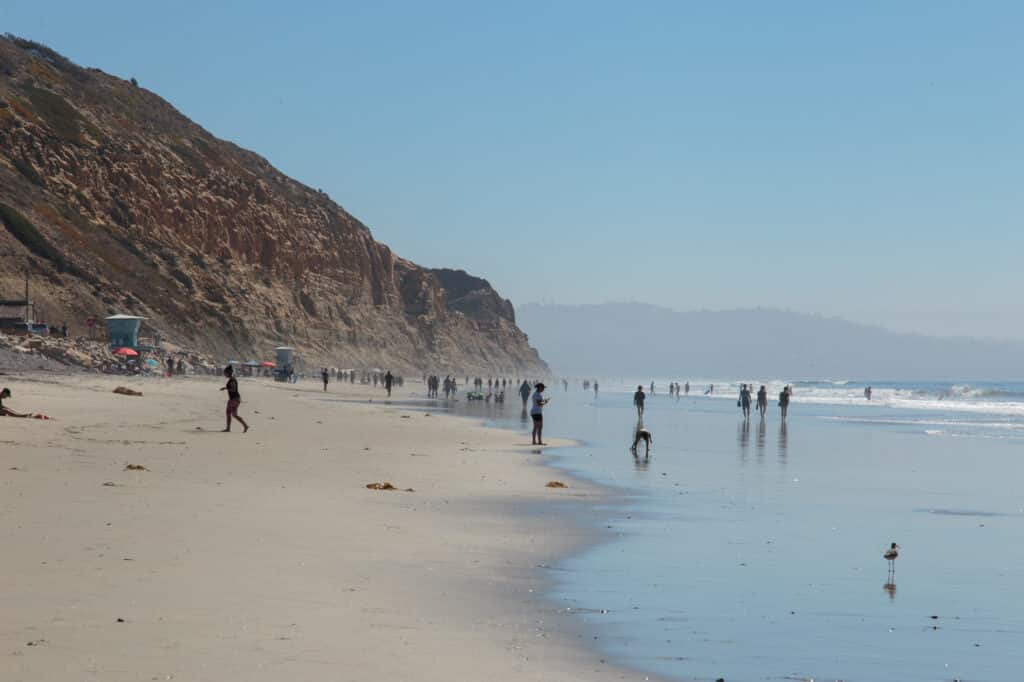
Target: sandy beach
[{"x": 263, "y": 556}]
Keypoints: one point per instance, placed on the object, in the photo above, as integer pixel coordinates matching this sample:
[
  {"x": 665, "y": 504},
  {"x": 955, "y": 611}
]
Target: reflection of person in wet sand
[{"x": 6, "y": 411}]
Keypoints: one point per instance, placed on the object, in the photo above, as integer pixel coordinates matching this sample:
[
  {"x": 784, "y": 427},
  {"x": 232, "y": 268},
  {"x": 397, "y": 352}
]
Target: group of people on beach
[{"x": 746, "y": 397}]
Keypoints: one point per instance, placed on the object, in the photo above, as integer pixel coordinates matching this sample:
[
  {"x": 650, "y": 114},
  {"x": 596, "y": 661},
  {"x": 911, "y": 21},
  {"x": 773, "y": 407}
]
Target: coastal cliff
[{"x": 119, "y": 203}]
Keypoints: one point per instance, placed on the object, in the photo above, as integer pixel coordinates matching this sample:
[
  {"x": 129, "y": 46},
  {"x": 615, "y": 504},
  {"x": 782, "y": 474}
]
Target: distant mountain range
[{"x": 647, "y": 340}]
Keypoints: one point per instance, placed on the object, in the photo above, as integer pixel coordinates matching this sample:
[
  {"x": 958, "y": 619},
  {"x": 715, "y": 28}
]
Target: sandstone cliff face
[{"x": 121, "y": 204}]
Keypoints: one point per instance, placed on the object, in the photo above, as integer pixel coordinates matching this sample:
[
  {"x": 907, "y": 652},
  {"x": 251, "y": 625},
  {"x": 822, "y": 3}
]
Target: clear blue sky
[{"x": 857, "y": 159}]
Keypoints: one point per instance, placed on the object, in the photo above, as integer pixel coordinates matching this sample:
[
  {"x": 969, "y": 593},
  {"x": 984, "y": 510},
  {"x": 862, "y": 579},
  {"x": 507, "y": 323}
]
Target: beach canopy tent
[
  {"x": 151, "y": 362},
  {"x": 268, "y": 363},
  {"x": 252, "y": 363},
  {"x": 234, "y": 362},
  {"x": 126, "y": 352},
  {"x": 124, "y": 330}
]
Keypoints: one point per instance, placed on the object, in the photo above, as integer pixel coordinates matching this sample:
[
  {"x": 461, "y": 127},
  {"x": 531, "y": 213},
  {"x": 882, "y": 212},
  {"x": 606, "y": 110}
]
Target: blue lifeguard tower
[
  {"x": 284, "y": 355},
  {"x": 124, "y": 331}
]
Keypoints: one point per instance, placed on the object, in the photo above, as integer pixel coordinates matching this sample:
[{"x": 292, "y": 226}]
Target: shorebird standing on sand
[{"x": 891, "y": 555}]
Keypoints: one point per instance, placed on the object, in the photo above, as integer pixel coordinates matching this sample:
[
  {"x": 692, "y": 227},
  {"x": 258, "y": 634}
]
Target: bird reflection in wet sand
[{"x": 890, "y": 589}]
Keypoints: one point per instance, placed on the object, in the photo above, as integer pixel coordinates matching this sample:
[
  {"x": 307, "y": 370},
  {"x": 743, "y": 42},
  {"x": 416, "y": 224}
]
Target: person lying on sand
[{"x": 6, "y": 411}]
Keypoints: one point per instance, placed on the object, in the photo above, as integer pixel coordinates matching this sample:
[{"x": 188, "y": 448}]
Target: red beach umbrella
[
  {"x": 127, "y": 352},
  {"x": 268, "y": 363}
]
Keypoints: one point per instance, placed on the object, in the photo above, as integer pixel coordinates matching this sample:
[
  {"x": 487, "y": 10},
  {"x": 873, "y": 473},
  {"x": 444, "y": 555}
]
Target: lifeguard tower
[
  {"x": 124, "y": 330},
  {"x": 284, "y": 358}
]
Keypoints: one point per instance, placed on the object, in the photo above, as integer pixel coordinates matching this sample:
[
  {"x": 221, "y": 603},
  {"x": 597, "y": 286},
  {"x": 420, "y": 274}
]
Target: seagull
[{"x": 891, "y": 555}]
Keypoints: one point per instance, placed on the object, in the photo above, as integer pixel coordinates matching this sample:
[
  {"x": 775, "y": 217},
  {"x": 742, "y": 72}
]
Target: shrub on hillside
[{"x": 22, "y": 229}]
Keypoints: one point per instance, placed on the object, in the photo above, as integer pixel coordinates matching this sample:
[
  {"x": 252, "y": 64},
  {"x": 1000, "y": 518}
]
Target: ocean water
[{"x": 753, "y": 551}]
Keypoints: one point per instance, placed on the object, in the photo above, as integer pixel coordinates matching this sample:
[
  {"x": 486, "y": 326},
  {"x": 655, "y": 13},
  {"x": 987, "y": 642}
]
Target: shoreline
[{"x": 262, "y": 556}]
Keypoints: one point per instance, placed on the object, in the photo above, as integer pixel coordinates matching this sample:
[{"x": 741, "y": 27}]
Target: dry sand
[{"x": 263, "y": 556}]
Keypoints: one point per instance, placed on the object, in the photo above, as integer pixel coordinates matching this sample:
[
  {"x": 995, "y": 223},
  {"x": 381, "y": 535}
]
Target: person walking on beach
[
  {"x": 388, "y": 380},
  {"x": 325, "y": 376},
  {"x": 711, "y": 390},
  {"x": 537, "y": 413},
  {"x": 524, "y": 392},
  {"x": 867, "y": 393},
  {"x": 784, "y": 401},
  {"x": 762, "y": 401},
  {"x": 234, "y": 399},
  {"x": 595, "y": 389},
  {"x": 686, "y": 388},
  {"x": 638, "y": 400},
  {"x": 744, "y": 401}
]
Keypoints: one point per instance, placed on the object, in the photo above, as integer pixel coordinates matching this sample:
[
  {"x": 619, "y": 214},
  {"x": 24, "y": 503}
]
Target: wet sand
[
  {"x": 263, "y": 556},
  {"x": 754, "y": 552}
]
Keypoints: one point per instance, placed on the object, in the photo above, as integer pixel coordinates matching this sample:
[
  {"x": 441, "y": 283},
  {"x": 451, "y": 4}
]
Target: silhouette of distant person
[
  {"x": 744, "y": 401},
  {"x": 638, "y": 400},
  {"x": 762, "y": 400}
]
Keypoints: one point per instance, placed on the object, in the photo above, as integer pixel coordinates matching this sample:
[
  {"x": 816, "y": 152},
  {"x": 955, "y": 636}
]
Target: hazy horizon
[
  {"x": 778, "y": 309},
  {"x": 645, "y": 340}
]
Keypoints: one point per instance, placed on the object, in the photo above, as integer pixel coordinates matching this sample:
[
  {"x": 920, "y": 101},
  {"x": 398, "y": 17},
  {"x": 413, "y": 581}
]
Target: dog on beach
[{"x": 644, "y": 435}]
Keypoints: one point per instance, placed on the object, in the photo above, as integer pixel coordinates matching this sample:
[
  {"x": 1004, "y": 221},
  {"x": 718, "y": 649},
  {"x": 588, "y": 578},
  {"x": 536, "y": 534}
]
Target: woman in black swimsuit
[{"x": 234, "y": 399}]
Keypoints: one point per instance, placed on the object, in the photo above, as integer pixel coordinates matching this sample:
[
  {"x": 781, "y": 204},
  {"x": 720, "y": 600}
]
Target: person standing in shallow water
[
  {"x": 524, "y": 392},
  {"x": 745, "y": 400},
  {"x": 537, "y": 414},
  {"x": 234, "y": 399},
  {"x": 638, "y": 400},
  {"x": 784, "y": 401}
]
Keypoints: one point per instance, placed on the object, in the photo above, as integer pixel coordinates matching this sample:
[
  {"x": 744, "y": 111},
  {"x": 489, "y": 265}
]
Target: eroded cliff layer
[{"x": 119, "y": 203}]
